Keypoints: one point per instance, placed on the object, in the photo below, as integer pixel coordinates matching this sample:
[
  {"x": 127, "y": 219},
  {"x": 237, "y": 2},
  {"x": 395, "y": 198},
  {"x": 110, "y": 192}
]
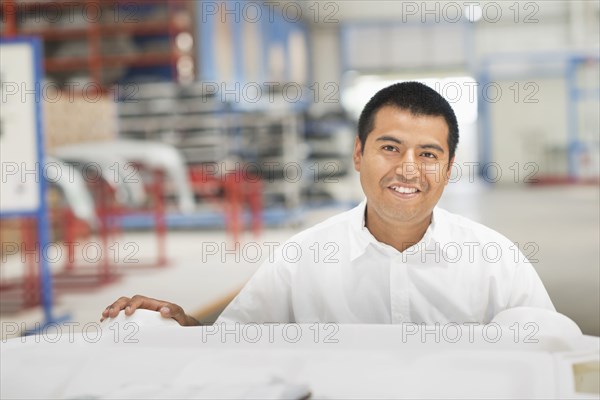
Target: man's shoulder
[{"x": 458, "y": 226}]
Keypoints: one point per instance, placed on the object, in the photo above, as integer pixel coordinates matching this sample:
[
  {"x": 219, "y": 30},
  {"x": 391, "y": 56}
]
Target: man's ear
[{"x": 357, "y": 154}]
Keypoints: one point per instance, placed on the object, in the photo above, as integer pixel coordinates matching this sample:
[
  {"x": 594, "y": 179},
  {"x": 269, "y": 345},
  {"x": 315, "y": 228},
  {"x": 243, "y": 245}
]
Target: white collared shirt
[{"x": 336, "y": 271}]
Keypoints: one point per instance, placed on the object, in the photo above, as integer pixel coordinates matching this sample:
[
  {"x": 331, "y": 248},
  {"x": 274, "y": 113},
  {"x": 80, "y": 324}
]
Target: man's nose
[{"x": 407, "y": 166}]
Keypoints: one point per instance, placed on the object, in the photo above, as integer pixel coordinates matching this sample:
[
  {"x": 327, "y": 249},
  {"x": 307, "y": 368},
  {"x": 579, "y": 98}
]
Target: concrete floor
[{"x": 562, "y": 221}]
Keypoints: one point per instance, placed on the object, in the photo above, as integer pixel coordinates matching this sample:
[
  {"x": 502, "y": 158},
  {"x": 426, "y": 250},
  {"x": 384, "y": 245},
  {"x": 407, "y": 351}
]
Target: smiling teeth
[{"x": 400, "y": 189}]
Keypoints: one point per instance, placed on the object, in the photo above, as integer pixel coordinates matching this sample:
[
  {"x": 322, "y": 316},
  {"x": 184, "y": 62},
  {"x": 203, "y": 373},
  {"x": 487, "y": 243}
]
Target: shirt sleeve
[
  {"x": 528, "y": 289},
  {"x": 265, "y": 298}
]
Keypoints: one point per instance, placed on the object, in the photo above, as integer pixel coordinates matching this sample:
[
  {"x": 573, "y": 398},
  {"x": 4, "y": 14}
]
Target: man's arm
[
  {"x": 528, "y": 289},
  {"x": 265, "y": 298}
]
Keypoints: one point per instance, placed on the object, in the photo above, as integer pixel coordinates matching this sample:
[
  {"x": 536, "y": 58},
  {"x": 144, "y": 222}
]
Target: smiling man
[
  {"x": 404, "y": 161},
  {"x": 396, "y": 257}
]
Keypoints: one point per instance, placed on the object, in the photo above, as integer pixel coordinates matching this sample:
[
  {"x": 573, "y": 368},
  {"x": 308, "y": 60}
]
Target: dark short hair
[{"x": 415, "y": 97}]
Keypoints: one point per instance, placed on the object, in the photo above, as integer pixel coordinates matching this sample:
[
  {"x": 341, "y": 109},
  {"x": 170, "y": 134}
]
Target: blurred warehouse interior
[{"x": 172, "y": 124}]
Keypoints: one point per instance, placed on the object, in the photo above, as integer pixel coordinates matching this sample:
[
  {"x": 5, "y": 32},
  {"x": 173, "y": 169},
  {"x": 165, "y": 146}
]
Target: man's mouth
[{"x": 404, "y": 191}]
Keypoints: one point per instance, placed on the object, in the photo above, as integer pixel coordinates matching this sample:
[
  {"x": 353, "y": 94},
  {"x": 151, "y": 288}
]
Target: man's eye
[
  {"x": 389, "y": 148},
  {"x": 429, "y": 155}
]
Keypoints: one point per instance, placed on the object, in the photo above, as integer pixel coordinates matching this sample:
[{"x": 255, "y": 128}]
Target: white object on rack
[
  {"x": 153, "y": 155},
  {"x": 74, "y": 189}
]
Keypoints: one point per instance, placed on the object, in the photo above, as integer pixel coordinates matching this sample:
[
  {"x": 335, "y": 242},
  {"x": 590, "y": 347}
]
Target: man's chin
[{"x": 403, "y": 215}]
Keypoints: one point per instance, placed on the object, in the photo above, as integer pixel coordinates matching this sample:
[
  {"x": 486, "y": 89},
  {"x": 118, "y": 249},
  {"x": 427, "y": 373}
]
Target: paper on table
[
  {"x": 269, "y": 389},
  {"x": 178, "y": 374}
]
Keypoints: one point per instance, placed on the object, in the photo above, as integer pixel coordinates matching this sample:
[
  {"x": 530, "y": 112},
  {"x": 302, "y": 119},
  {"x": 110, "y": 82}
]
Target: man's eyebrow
[
  {"x": 389, "y": 139},
  {"x": 431, "y": 146}
]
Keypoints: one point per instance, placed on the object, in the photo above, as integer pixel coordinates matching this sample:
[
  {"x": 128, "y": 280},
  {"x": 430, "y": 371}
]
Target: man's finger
[
  {"x": 143, "y": 302},
  {"x": 166, "y": 309},
  {"x": 174, "y": 311},
  {"x": 117, "y": 306}
]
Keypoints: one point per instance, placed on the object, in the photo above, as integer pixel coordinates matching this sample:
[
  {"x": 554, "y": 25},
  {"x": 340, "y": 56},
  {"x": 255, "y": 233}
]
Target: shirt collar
[{"x": 361, "y": 238}]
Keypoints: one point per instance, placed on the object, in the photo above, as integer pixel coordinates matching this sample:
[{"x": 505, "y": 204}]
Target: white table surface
[{"x": 134, "y": 359}]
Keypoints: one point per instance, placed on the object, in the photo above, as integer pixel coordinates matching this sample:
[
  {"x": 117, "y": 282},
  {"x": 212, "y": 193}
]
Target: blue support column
[
  {"x": 285, "y": 40},
  {"x": 206, "y": 51},
  {"x": 265, "y": 31},
  {"x": 485, "y": 123},
  {"x": 573, "y": 146},
  {"x": 238, "y": 46},
  {"x": 42, "y": 216}
]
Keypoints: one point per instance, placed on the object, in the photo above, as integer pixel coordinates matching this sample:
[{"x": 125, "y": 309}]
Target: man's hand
[{"x": 166, "y": 309}]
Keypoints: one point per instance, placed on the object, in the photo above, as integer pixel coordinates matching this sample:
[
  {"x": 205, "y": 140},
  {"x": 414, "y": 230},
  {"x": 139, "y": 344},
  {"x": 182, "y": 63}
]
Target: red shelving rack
[{"x": 175, "y": 17}]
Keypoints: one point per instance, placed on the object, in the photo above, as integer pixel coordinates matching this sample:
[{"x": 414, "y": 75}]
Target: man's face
[{"x": 404, "y": 165}]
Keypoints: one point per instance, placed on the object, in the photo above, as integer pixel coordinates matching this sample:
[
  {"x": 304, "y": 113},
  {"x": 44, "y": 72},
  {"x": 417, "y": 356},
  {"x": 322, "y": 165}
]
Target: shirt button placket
[{"x": 398, "y": 291}]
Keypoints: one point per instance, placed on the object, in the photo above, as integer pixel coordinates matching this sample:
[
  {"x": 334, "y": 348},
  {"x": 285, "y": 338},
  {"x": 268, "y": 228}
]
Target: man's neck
[{"x": 400, "y": 237}]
